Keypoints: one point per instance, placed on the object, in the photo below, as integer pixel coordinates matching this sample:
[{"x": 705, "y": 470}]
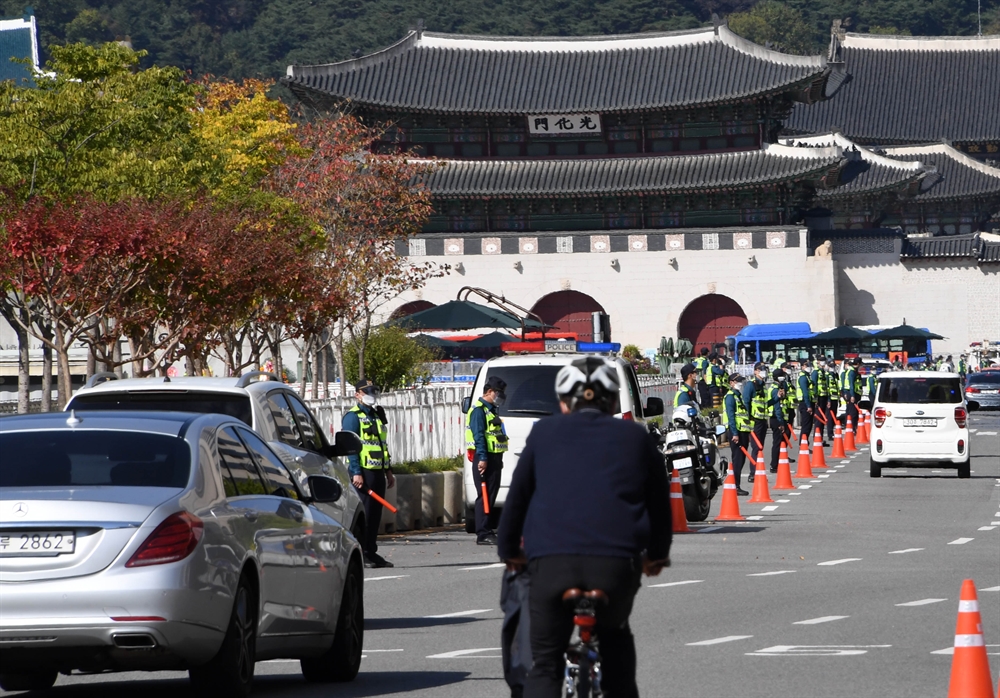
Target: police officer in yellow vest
[
  {"x": 806, "y": 394},
  {"x": 736, "y": 417},
  {"x": 486, "y": 437},
  {"x": 685, "y": 391},
  {"x": 702, "y": 364},
  {"x": 850, "y": 390},
  {"x": 371, "y": 469},
  {"x": 833, "y": 387},
  {"x": 822, "y": 403},
  {"x": 755, "y": 395}
]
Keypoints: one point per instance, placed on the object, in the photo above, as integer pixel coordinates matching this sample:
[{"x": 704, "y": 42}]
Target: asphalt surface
[{"x": 848, "y": 587}]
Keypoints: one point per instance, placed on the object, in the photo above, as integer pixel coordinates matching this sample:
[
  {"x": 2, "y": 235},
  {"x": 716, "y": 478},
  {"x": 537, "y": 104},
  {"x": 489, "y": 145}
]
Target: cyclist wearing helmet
[{"x": 590, "y": 499}]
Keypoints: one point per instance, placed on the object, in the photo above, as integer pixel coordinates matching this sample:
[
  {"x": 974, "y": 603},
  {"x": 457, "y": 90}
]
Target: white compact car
[
  {"x": 531, "y": 395},
  {"x": 920, "y": 418}
]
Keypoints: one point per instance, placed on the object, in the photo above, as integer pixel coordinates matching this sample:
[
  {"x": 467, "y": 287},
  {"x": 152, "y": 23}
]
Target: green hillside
[{"x": 259, "y": 38}]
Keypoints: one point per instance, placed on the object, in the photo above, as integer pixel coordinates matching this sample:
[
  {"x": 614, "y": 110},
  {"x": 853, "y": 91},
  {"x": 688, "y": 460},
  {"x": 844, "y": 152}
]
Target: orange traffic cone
[
  {"x": 730, "y": 510},
  {"x": 838, "y": 443},
  {"x": 970, "y": 667},
  {"x": 761, "y": 494},
  {"x": 849, "y": 444},
  {"x": 677, "y": 512},
  {"x": 818, "y": 459},
  {"x": 862, "y": 436},
  {"x": 803, "y": 451},
  {"x": 804, "y": 471},
  {"x": 784, "y": 481}
]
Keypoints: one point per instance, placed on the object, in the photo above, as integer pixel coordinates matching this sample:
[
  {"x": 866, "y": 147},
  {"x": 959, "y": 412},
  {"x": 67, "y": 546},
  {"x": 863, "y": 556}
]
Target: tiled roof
[
  {"x": 990, "y": 252},
  {"x": 866, "y": 172},
  {"x": 17, "y": 40},
  {"x": 600, "y": 176},
  {"x": 958, "y": 175},
  {"x": 444, "y": 73},
  {"x": 956, "y": 246},
  {"x": 910, "y": 90}
]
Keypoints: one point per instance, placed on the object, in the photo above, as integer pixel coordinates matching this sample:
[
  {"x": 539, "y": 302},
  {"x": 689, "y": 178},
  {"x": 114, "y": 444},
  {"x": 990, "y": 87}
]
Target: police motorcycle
[{"x": 690, "y": 445}]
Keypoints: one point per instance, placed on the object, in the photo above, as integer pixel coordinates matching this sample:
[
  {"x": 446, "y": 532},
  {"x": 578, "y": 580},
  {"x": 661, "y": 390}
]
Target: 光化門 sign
[{"x": 560, "y": 124}]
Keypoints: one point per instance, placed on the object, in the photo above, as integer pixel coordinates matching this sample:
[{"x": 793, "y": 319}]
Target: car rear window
[
  {"x": 531, "y": 390},
  {"x": 93, "y": 458},
  {"x": 919, "y": 390},
  {"x": 993, "y": 378},
  {"x": 230, "y": 404}
]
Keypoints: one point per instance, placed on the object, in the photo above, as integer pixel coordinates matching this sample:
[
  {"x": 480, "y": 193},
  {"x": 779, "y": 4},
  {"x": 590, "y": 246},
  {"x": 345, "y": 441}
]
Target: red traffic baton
[
  {"x": 381, "y": 501},
  {"x": 486, "y": 498}
]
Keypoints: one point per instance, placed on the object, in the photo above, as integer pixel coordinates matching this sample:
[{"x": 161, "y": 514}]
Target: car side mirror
[
  {"x": 324, "y": 489},
  {"x": 346, "y": 443},
  {"x": 971, "y": 405},
  {"x": 466, "y": 404},
  {"x": 865, "y": 404},
  {"x": 654, "y": 407}
]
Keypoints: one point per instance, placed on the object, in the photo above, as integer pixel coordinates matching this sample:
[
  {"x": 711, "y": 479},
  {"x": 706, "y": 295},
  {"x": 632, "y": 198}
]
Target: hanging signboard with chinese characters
[{"x": 563, "y": 124}]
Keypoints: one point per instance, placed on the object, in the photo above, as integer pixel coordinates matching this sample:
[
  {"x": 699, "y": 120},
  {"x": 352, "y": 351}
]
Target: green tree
[
  {"x": 392, "y": 360},
  {"x": 777, "y": 23}
]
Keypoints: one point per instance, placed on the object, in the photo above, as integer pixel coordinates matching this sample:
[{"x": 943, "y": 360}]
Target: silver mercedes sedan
[{"x": 168, "y": 540}]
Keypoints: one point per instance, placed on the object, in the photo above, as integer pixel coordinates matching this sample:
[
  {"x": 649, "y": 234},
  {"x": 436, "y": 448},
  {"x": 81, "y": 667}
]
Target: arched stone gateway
[
  {"x": 410, "y": 308},
  {"x": 569, "y": 311},
  {"x": 709, "y": 319}
]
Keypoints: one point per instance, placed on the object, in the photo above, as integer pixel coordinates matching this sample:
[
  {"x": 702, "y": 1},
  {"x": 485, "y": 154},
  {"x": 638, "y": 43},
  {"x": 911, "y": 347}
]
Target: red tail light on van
[
  {"x": 961, "y": 417},
  {"x": 879, "y": 416}
]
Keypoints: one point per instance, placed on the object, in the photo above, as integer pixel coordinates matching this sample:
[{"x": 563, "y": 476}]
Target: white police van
[{"x": 531, "y": 395}]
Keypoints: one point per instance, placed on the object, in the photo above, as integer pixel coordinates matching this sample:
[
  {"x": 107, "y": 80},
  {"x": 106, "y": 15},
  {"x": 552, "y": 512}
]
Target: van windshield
[
  {"x": 531, "y": 390},
  {"x": 917, "y": 390}
]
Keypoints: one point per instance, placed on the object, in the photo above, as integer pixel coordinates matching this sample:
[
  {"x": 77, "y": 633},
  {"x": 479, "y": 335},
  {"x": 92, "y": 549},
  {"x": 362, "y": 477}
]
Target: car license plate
[
  {"x": 682, "y": 463},
  {"x": 37, "y": 543},
  {"x": 989, "y": 392},
  {"x": 919, "y": 422}
]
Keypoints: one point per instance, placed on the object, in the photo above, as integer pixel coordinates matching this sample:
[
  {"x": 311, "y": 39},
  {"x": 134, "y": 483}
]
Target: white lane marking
[
  {"x": 455, "y": 654},
  {"x": 814, "y": 650},
  {"x": 816, "y": 480},
  {"x": 782, "y": 501},
  {"x": 991, "y": 589},
  {"x": 283, "y": 661},
  {"x": 830, "y": 563},
  {"x": 491, "y": 566},
  {"x": 986, "y": 528},
  {"x": 921, "y": 602},
  {"x": 676, "y": 584},
  {"x": 937, "y": 471},
  {"x": 840, "y": 466},
  {"x": 768, "y": 574},
  {"x": 906, "y": 550},
  {"x": 994, "y": 523},
  {"x": 792, "y": 494},
  {"x": 951, "y": 650},
  {"x": 458, "y": 614},
  {"x": 805, "y": 487},
  {"x": 719, "y": 640},
  {"x": 843, "y": 462},
  {"x": 770, "y": 508},
  {"x": 987, "y": 433},
  {"x": 708, "y": 529},
  {"x": 754, "y": 518},
  {"x": 821, "y": 476},
  {"x": 394, "y": 576},
  {"x": 380, "y": 651},
  {"x": 961, "y": 541},
  {"x": 997, "y": 514},
  {"x": 831, "y": 472},
  {"x": 822, "y": 619}
]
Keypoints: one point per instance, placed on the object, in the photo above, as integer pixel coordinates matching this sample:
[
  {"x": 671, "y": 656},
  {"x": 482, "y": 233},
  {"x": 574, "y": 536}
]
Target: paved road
[{"x": 848, "y": 587}]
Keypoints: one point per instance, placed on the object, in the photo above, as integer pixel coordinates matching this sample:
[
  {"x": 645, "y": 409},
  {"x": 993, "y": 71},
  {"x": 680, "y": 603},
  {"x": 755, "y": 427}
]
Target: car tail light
[
  {"x": 172, "y": 540},
  {"x": 961, "y": 445},
  {"x": 960, "y": 417},
  {"x": 878, "y": 445},
  {"x": 628, "y": 416},
  {"x": 971, "y": 389},
  {"x": 879, "y": 416}
]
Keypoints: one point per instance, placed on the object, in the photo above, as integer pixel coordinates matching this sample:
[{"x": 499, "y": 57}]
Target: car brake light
[
  {"x": 960, "y": 417},
  {"x": 172, "y": 540},
  {"x": 879, "y": 416},
  {"x": 961, "y": 445},
  {"x": 970, "y": 389},
  {"x": 628, "y": 416}
]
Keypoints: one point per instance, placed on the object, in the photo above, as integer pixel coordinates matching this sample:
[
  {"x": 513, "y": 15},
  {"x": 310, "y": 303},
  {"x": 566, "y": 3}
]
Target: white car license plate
[
  {"x": 36, "y": 543},
  {"x": 919, "y": 422},
  {"x": 682, "y": 463},
  {"x": 989, "y": 392}
]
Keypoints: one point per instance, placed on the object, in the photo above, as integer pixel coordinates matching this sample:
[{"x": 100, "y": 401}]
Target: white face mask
[{"x": 369, "y": 400}]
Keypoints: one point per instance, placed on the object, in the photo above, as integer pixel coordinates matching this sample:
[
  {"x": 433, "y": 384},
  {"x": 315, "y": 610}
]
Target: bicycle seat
[{"x": 595, "y": 596}]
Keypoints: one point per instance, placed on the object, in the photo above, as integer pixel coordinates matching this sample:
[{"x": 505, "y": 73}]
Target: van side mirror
[
  {"x": 346, "y": 443},
  {"x": 466, "y": 404},
  {"x": 324, "y": 489},
  {"x": 654, "y": 407}
]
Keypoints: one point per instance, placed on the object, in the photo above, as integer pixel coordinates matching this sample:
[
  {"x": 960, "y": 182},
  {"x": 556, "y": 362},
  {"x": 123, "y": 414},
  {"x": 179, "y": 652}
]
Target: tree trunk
[
  {"x": 63, "y": 383},
  {"x": 338, "y": 345},
  {"x": 23, "y": 370},
  {"x": 326, "y": 370},
  {"x": 46, "y": 370},
  {"x": 116, "y": 358},
  {"x": 316, "y": 368}
]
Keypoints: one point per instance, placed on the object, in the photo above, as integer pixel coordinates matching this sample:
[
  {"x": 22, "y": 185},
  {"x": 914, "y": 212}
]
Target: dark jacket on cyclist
[{"x": 587, "y": 484}]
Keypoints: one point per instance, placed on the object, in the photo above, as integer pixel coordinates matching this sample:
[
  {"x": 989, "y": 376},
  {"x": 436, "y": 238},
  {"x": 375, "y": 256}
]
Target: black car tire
[
  {"x": 229, "y": 674},
  {"x": 875, "y": 469},
  {"x": 964, "y": 469},
  {"x": 470, "y": 519},
  {"x": 358, "y": 529},
  {"x": 40, "y": 681},
  {"x": 343, "y": 660}
]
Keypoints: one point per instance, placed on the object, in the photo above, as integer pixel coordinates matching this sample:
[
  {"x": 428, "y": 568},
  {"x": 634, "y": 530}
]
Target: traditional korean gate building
[{"x": 646, "y": 176}]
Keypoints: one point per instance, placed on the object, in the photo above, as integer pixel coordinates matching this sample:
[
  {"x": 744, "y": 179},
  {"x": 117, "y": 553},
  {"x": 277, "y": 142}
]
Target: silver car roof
[{"x": 169, "y": 423}]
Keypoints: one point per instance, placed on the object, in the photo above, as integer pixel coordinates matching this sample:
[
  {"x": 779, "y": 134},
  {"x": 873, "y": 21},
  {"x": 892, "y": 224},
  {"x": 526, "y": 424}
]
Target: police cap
[
  {"x": 687, "y": 370},
  {"x": 495, "y": 383}
]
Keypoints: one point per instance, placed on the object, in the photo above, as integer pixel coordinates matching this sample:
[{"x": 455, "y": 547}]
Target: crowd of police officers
[{"x": 774, "y": 399}]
